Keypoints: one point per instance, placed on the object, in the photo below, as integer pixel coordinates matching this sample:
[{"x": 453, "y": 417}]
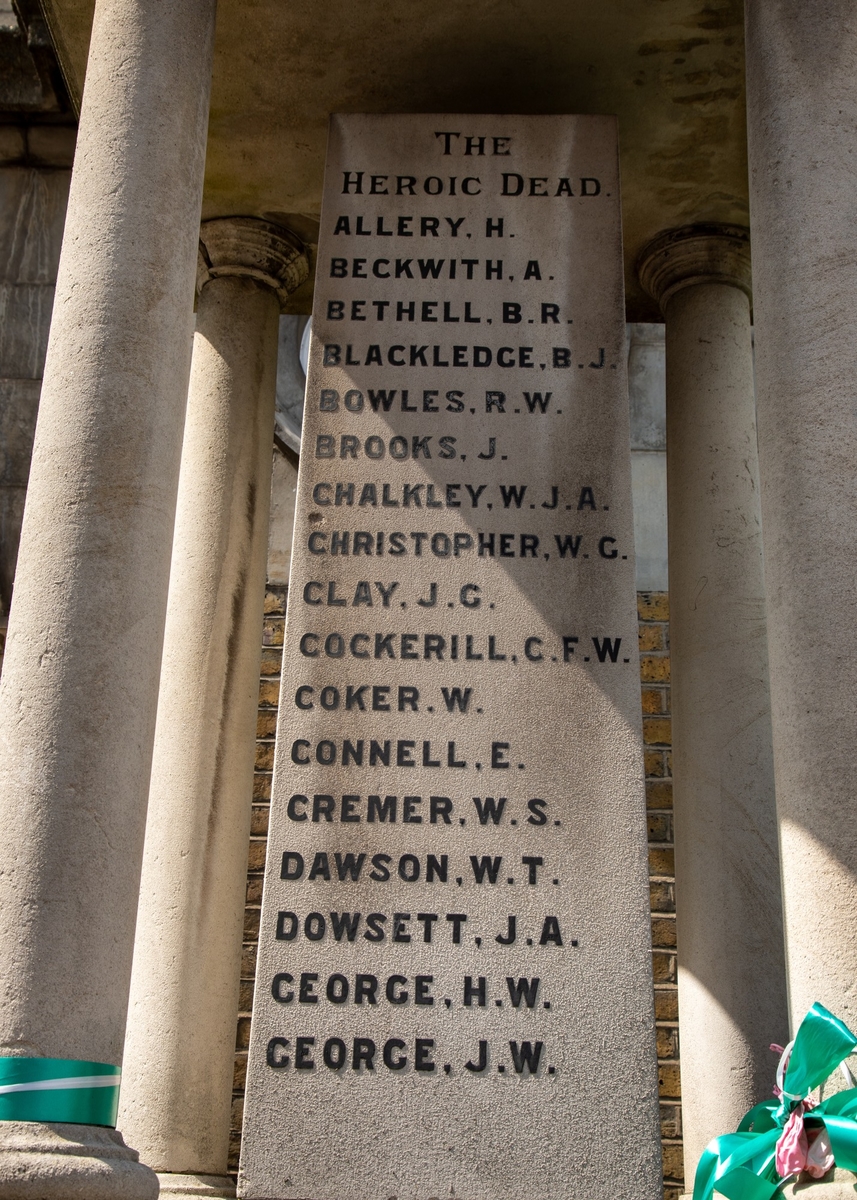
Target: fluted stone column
[
  {"x": 732, "y": 995},
  {"x": 80, "y": 680},
  {"x": 180, "y": 1044}
]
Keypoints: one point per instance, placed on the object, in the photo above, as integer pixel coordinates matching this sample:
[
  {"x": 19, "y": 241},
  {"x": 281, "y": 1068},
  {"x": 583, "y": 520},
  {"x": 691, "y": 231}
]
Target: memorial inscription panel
[{"x": 453, "y": 994}]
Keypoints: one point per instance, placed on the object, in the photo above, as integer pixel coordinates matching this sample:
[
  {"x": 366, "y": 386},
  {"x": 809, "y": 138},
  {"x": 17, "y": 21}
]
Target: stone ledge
[
  {"x": 196, "y": 1185},
  {"x": 836, "y": 1185}
]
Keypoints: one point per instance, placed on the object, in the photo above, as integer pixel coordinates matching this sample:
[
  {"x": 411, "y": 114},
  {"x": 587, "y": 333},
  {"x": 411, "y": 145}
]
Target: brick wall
[
  {"x": 269, "y": 696},
  {"x": 653, "y": 613}
]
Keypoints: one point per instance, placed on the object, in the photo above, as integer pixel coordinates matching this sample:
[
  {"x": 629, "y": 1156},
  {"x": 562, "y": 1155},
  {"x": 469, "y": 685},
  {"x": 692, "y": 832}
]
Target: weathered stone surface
[
  {"x": 291, "y": 381},
  {"x": 248, "y": 248},
  {"x": 71, "y": 1162},
  {"x": 25, "y": 318},
  {"x": 801, "y": 106},
  {"x": 283, "y": 493},
  {"x": 32, "y": 215},
  {"x": 647, "y": 394},
  {"x": 732, "y": 988},
  {"x": 79, "y": 687},
  {"x": 178, "y": 1046},
  {"x": 32, "y": 212},
  {"x": 20, "y": 85},
  {"x": 504, "y": 417},
  {"x": 13, "y": 144},
  {"x": 214, "y": 1186},
  {"x": 11, "y": 516},
  {"x": 836, "y": 1185},
  {"x": 51, "y": 145},
  {"x": 19, "y": 402},
  {"x": 179, "y": 1050}
]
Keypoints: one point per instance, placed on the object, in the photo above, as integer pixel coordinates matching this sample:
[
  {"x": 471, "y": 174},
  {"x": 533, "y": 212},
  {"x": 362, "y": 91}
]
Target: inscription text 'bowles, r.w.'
[{"x": 453, "y": 974}]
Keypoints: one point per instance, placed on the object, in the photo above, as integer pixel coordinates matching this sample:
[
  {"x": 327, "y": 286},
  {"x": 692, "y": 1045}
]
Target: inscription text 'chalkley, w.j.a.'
[{"x": 453, "y": 996}]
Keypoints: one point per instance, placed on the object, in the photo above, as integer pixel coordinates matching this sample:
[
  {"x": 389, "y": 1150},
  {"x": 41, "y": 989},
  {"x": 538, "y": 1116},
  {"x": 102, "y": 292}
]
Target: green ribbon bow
[
  {"x": 59, "y": 1089},
  {"x": 741, "y": 1165}
]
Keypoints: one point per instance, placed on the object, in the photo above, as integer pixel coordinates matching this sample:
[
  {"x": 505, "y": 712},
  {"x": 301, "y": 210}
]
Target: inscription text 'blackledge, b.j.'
[{"x": 453, "y": 995}]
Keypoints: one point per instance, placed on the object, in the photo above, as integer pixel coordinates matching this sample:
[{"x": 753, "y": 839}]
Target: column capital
[
  {"x": 254, "y": 249},
  {"x": 679, "y": 258}
]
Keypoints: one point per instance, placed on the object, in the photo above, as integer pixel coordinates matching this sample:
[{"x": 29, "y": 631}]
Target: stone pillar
[
  {"x": 180, "y": 1044},
  {"x": 732, "y": 996},
  {"x": 802, "y": 112},
  {"x": 80, "y": 680}
]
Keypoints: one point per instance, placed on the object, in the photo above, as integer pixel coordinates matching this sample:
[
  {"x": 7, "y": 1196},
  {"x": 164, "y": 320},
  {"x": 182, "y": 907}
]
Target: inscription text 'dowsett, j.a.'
[{"x": 453, "y": 995}]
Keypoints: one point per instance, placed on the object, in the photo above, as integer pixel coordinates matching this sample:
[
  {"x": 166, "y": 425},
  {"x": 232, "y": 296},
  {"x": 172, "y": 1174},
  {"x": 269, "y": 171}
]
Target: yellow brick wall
[
  {"x": 653, "y": 611},
  {"x": 269, "y": 697}
]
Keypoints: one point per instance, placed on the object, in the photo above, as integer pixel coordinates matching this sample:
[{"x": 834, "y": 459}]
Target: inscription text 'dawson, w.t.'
[{"x": 453, "y": 995}]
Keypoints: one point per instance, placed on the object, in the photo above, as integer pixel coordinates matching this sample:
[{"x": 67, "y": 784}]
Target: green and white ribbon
[
  {"x": 743, "y": 1165},
  {"x": 59, "y": 1089}
]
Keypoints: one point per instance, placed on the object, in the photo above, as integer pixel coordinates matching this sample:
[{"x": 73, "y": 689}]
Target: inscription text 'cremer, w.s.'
[{"x": 453, "y": 994}]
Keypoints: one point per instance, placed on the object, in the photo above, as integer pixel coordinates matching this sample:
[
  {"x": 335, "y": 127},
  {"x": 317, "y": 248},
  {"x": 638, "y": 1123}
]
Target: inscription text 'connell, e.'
[{"x": 453, "y": 996}]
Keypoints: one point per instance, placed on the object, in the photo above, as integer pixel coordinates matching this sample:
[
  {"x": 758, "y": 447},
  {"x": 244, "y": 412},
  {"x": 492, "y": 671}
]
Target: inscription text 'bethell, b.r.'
[{"x": 453, "y": 995}]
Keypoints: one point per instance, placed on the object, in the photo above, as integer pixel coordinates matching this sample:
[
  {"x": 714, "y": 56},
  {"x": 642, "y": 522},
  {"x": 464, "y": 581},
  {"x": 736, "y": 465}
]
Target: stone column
[
  {"x": 732, "y": 996},
  {"x": 802, "y": 113},
  {"x": 180, "y": 1044},
  {"x": 80, "y": 680}
]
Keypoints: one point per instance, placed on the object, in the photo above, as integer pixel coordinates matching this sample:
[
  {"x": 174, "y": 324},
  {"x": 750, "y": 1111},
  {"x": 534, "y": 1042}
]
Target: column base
[
  {"x": 836, "y": 1185},
  {"x": 213, "y": 1186},
  {"x": 70, "y": 1162}
]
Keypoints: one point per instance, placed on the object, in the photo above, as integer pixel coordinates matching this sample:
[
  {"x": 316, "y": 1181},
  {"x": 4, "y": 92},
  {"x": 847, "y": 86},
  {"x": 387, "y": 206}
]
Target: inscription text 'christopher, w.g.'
[{"x": 453, "y": 995}]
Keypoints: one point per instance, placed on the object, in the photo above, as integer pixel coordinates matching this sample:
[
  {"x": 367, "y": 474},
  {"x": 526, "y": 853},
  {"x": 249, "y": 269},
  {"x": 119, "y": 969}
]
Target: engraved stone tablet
[{"x": 453, "y": 996}]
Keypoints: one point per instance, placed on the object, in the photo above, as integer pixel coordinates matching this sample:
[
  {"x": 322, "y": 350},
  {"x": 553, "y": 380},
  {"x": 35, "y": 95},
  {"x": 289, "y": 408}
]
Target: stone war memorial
[
  {"x": 428, "y": 603},
  {"x": 454, "y": 946}
]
